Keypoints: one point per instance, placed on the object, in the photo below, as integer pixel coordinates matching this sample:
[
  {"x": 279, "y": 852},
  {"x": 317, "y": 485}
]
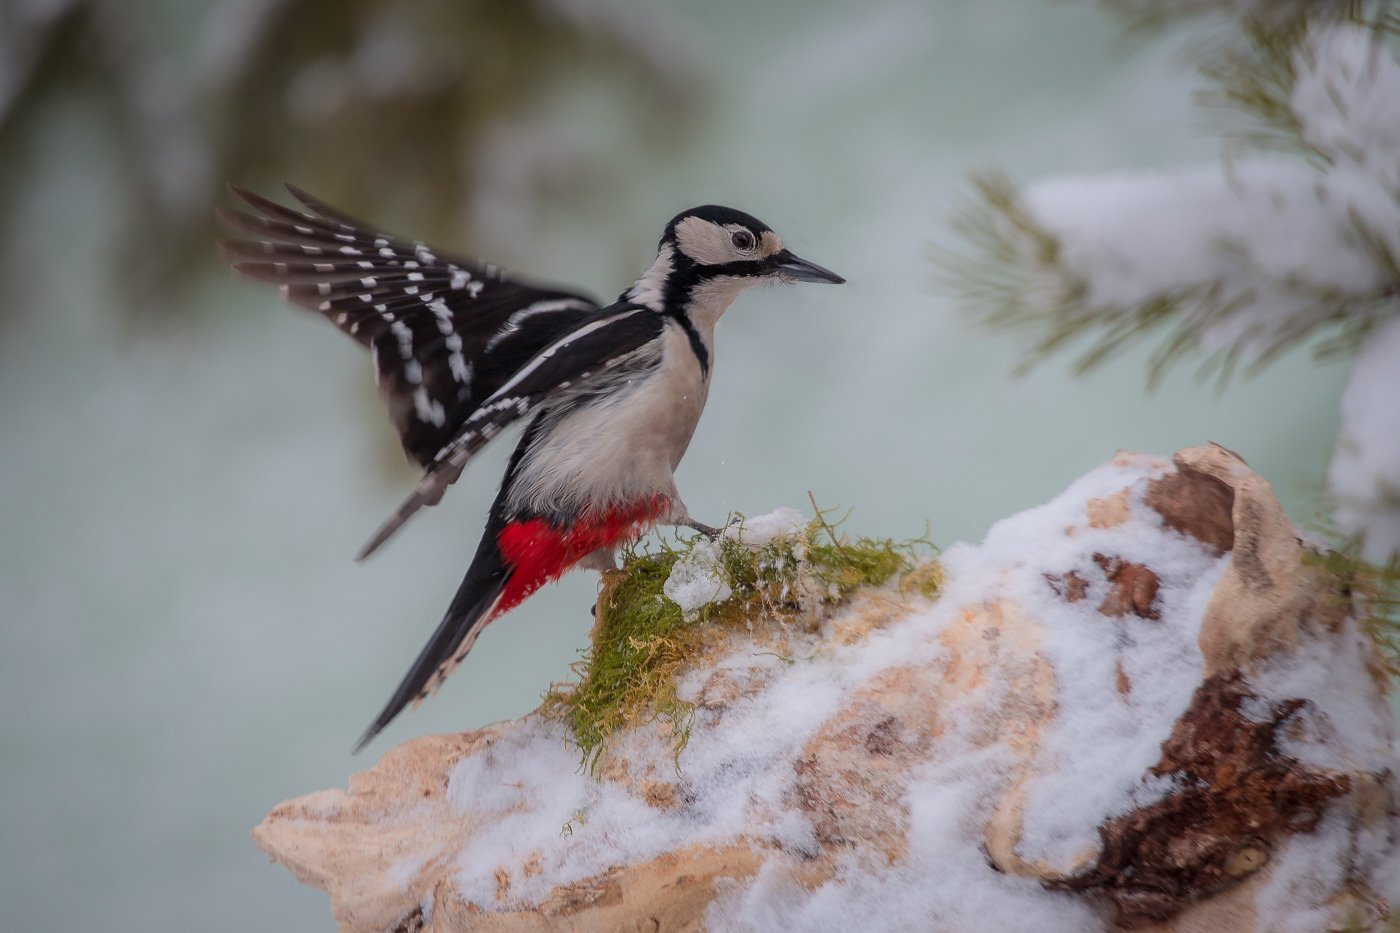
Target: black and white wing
[
  {"x": 613, "y": 337},
  {"x": 445, "y": 333}
]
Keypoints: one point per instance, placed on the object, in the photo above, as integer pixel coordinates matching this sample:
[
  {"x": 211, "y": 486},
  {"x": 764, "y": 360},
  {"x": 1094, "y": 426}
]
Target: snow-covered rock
[{"x": 1134, "y": 706}]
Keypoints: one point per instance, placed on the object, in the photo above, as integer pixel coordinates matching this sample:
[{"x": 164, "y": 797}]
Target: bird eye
[{"x": 742, "y": 239}]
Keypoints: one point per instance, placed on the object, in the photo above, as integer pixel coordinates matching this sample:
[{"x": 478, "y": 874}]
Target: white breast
[{"x": 622, "y": 447}]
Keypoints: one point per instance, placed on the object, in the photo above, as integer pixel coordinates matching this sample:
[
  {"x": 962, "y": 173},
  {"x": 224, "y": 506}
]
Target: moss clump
[
  {"x": 847, "y": 565},
  {"x": 641, "y": 638},
  {"x": 1373, "y": 591},
  {"x": 628, "y": 676}
]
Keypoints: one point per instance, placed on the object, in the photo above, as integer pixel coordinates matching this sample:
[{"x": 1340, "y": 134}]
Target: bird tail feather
[
  {"x": 477, "y": 601},
  {"x": 514, "y": 560}
]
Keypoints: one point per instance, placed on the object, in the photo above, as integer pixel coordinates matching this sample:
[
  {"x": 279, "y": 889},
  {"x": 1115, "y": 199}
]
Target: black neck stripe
[{"x": 697, "y": 345}]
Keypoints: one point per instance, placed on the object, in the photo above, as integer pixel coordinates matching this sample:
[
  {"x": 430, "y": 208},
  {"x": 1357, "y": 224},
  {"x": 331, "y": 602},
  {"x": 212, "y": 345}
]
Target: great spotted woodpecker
[{"x": 461, "y": 350}]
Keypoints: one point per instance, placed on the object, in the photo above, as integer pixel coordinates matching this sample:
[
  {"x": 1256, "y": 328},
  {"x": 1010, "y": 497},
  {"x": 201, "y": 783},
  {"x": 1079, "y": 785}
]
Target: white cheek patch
[{"x": 707, "y": 243}]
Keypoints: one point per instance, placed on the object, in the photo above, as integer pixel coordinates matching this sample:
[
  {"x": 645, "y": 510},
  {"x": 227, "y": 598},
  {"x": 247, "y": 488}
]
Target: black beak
[{"x": 796, "y": 269}]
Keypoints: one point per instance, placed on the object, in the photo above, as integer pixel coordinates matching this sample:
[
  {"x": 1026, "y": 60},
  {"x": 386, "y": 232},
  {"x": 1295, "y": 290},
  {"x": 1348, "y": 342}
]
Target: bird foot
[{"x": 707, "y": 530}]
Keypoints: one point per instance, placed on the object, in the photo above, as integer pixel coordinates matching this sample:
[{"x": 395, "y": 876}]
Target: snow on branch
[
  {"x": 1242, "y": 261},
  {"x": 1346, "y": 97},
  {"x": 1239, "y": 261}
]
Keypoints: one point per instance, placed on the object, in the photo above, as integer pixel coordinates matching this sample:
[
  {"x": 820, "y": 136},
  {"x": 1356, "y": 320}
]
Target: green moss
[
  {"x": 848, "y": 565},
  {"x": 1362, "y": 919},
  {"x": 642, "y": 639},
  {"x": 628, "y": 676},
  {"x": 1373, "y": 590}
]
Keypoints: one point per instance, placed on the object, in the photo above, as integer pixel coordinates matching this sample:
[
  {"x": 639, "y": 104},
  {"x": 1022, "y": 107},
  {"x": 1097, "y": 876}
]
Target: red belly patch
[{"x": 538, "y": 552}]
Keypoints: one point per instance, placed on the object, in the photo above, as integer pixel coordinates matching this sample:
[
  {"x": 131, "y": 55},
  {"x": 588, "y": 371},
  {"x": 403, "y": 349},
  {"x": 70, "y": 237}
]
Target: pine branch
[
  {"x": 1142, "y": 16},
  {"x": 1014, "y": 276},
  {"x": 1153, "y": 15},
  {"x": 1255, "y": 80},
  {"x": 1252, "y": 73}
]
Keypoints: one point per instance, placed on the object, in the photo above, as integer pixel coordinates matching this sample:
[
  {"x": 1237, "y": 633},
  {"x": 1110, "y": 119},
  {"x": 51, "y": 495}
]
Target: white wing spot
[
  {"x": 461, "y": 369},
  {"x": 426, "y": 409},
  {"x": 405, "y": 337}
]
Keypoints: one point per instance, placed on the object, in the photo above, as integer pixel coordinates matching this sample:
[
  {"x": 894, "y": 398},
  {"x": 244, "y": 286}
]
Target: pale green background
[{"x": 184, "y": 640}]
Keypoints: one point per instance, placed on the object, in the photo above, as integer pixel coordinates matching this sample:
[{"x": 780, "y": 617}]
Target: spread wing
[
  {"x": 445, "y": 333},
  {"x": 591, "y": 348}
]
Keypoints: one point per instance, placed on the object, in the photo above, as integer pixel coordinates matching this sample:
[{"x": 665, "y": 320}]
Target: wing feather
[
  {"x": 590, "y": 348},
  {"x": 443, "y": 331}
]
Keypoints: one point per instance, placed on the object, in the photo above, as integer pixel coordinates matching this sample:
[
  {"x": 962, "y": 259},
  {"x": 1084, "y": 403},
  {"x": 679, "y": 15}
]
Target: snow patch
[{"x": 697, "y": 579}]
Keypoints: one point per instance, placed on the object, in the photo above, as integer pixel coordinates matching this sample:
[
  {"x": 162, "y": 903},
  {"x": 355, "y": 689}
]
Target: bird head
[
  {"x": 723, "y": 241},
  {"x": 709, "y": 254}
]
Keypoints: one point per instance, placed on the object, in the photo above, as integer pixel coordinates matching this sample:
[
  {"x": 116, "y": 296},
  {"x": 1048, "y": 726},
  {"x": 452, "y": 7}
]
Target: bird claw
[{"x": 706, "y": 530}]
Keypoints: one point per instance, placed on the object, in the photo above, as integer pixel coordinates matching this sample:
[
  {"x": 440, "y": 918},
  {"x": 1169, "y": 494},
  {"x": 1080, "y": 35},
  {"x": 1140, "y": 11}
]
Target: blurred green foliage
[{"x": 382, "y": 105}]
